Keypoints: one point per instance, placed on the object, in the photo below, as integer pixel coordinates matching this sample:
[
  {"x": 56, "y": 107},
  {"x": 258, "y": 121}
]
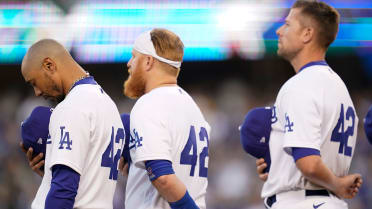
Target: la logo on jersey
[
  {"x": 65, "y": 139},
  {"x": 136, "y": 140},
  {"x": 288, "y": 124}
]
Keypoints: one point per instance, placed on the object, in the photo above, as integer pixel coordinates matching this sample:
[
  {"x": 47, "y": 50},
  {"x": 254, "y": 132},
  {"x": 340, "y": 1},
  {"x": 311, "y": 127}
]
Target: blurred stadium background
[{"x": 230, "y": 67}]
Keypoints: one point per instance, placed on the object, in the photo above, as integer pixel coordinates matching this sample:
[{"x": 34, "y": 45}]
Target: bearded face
[
  {"x": 135, "y": 85},
  {"x": 44, "y": 85},
  {"x": 52, "y": 92}
]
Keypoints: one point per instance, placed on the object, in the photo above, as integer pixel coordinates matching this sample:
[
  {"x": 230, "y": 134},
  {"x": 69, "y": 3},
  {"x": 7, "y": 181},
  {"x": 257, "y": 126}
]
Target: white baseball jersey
[
  {"x": 314, "y": 110},
  {"x": 86, "y": 135},
  {"x": 166, "y": 124}
]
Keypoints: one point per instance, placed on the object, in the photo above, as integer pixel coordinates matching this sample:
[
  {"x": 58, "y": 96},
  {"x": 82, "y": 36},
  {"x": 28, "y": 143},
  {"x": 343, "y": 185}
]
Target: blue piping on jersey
[
  {"x": 87, "y": 80},
  {"x": 322, "y": 62}
]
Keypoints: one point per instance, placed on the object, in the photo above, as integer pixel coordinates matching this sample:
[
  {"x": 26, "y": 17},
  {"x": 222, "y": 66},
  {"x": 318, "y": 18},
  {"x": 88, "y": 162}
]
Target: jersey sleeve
[
  {"x": 300, "y": 113},
  {"x": 70, "y": 134},
  {"x": 150, "y": 138}
]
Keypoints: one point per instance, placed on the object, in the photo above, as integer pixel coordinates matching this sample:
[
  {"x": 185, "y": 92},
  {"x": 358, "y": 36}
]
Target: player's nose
[
  {"x": 278, "y": 31},
  {"x": 129, "y": 63}
]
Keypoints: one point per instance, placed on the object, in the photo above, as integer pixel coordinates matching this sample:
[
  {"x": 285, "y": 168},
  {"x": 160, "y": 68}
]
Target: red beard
[{"x": 135, "y": 85}]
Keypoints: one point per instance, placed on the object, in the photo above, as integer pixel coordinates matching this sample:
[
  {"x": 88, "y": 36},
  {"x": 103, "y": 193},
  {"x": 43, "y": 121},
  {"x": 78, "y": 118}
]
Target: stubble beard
[
  {"x": 135, "y": 85},
  {"x": 52, "y": 86},
  {"x": 286, "y": 54}
]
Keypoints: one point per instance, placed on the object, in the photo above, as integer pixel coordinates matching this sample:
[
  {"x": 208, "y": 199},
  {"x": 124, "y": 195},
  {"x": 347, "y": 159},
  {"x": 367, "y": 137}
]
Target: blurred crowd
[{"x": 233, "y": 183}]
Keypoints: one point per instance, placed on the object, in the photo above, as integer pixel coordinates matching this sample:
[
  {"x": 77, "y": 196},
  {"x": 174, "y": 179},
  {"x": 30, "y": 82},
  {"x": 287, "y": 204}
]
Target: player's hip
[{"x": 305, "y": 199}]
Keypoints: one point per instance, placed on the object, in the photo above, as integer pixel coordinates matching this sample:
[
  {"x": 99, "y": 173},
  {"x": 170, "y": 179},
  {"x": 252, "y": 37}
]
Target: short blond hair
[{"x": 168, "y": 45}]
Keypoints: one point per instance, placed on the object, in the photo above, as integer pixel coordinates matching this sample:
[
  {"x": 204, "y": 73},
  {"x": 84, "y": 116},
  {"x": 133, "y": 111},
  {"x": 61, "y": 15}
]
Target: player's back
[
  {"x": 314, "y": 110},
  {"x": 86, "y": 135},
  {"x": 339, "y": 123},
  {"x": 182, "y": 139}
]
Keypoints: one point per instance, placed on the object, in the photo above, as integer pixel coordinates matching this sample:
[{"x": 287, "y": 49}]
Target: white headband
[{"x": 144, "y": 45}]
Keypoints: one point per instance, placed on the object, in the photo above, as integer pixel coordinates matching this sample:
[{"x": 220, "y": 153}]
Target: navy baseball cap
[
  {"x": 255, "y": 133},
  {"x": 125, "y": 118},
  {"x": 368, "y": 125},
  {"x": 35, "y": 129}
]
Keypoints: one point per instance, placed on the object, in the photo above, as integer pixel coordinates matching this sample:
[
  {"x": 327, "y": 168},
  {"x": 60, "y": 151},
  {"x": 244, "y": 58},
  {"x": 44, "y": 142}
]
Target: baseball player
[
  {"x": 368, "y": 125},
  {"x": 35, "y": 133},
  {"x": 169, "y": 135},
  {"x": 86, "y": 132},
  {"x": 313, "y": 141}
]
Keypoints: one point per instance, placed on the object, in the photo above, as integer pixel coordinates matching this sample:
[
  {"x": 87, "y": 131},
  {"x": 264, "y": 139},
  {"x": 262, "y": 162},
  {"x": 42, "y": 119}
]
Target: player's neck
[
  {"x": 306, "y": 56},
  {"x": 76, "y": 73}
]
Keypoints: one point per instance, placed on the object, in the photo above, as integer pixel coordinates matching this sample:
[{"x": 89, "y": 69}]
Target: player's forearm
[
  {"x": 314, "y": 170},
  {"x": 170, "y": 187},
  {"x": 63, "y": 189}
]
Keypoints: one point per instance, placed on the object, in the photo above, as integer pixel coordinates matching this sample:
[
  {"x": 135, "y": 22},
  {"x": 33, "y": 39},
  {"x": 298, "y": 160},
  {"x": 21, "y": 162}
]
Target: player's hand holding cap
[
  {"x": 255, "y": 133},
  {"x": 368, "y": 125},
  {"x": 35, "y": 130}
]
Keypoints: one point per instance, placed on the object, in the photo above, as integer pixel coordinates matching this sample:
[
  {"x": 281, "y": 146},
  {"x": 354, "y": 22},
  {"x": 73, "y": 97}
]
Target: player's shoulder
[
  {"x": 65, "y": 110},
  {"x": 87, "y": 96},
  {"x": 161, "y": 98},
  {"x": 84, "y": 92},
  {"x": 164, "y": 91},
  {"x": 313, "y": 77},
  {"x": 80, "y": 101}
]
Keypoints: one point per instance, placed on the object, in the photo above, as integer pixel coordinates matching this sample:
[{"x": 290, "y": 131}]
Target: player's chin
[
  {"x": 131, "y": 95},
  {"x": 279, "y": 52},
  {"x": 130, "y": 91}
]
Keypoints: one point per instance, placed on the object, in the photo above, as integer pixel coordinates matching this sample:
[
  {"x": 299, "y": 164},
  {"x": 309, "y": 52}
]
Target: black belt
[{"x": 272, "y": 199}]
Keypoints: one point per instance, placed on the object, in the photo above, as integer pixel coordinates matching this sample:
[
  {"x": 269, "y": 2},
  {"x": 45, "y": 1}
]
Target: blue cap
[
  {"x": 255, "y": 133},
  {"x": 125, "y": 118},
  {"x": 368, "y": 125},
  {"x": 35, "y": 129}
]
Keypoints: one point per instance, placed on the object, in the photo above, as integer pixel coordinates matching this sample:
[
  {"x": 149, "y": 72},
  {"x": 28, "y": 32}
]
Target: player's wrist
[
  {"x": 335, "y": 184},
  {"x": 186, "y": 202}
]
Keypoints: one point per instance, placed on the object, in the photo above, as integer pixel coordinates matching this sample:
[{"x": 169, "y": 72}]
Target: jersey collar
[
  {"x": 87, "y": 80},
  {"x": 322, "y": 62}
]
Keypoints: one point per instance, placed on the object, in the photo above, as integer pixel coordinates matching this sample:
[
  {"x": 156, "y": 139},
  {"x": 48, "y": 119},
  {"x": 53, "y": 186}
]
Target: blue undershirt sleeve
[
  {"x": 186, "y": 202},
  {"x": 299, "y": 152},
  {"x": 63, "y": 189},
  {"x": 157, "y": 168}
]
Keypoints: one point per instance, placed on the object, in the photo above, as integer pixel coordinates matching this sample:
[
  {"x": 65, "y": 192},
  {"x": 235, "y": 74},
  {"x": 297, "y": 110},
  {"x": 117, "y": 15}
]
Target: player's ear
[
  {"x": 149, "y": 62},
  {"x": 49, "y": 65},
  {"x": 308, "y": 34}
]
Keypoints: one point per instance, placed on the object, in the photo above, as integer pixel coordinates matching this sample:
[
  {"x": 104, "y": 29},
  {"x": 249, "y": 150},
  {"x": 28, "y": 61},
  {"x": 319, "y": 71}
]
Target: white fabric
[
  {"x": 311, "y": 100},
  {"x": 144, "y": 45},
  {"x": 297, "y": 199},
  {"x": 160, "y": 125},
  {"x": 88, "y": 115}
]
